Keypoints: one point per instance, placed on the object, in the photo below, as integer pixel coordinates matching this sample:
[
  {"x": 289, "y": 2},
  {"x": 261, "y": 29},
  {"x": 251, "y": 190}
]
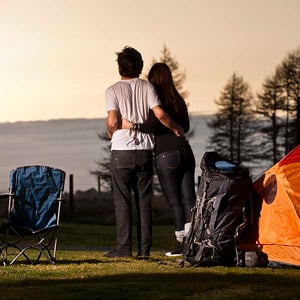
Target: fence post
[
  {"x": 99, "y": 183},
  {"x": 71, "y": 192}
]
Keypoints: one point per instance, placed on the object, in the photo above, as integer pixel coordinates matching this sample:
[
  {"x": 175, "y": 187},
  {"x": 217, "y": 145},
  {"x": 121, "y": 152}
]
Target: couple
[{"x": 137, "y": 110}]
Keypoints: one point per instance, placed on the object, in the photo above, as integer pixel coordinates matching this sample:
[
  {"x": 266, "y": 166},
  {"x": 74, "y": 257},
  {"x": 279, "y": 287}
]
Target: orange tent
[{"x": 278, "y": 231}]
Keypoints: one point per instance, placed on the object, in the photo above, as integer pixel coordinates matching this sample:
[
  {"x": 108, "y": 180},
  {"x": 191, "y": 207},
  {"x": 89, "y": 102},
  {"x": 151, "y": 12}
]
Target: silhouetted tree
[
  {"x": 231, "y": 125},
  {"x": 179, "y": 76},
  {"x": 103, "y": 166},
  {"x": 289, "y": 72},
  {"x": 270, "y": 105}
]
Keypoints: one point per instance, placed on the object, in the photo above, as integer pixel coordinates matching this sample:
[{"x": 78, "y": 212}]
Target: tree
[
  {"x": 231, "y": 130},
  {"x": 103, "y": 166},
  {"x": 269, "y": 105},
  {"x": 179, "y": 76},
  {"x": 289, "y": 72}
]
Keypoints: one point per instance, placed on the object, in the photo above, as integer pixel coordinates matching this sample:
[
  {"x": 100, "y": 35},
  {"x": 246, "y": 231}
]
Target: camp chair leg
[
  {"x": 55, "y": 248},
  {"x": 51, "y": 257},
  {"x": 38, "y": 258},
  {"x": 3, "y": 256},
  {"x": 22, "y": 252},
  {"x": 44, "y": 247},
  {"x": 41, "y": 244},
  {"x": 48, "y": 255},
  {"x": 3, "y": 251}
]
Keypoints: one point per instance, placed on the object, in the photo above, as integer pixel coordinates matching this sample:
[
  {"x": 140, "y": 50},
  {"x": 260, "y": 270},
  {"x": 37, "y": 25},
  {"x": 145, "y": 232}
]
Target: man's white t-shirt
[{"x": 133, "y": 98}]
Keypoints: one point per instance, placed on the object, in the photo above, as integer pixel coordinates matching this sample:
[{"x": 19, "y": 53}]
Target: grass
[
  {"x": 88, "y": 275},
  {"x": 93, "y": 236}
]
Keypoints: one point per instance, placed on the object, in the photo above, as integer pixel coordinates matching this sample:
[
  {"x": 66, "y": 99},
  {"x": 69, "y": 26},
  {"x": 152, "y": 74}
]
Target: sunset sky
[{"x": 57, "y": 57}]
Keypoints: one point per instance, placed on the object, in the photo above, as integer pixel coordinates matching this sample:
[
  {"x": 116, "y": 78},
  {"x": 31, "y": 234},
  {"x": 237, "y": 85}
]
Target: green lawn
[
  {"x": 94, "y": 236},
  {"x": 86, "y": 274}
]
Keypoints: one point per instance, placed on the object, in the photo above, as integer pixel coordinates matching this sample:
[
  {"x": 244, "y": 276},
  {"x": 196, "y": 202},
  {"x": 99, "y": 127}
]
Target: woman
[{"x": 174, "y": 158}]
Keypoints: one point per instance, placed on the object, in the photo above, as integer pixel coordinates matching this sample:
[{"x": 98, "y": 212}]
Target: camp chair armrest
[{"x": 6, "y": 195}]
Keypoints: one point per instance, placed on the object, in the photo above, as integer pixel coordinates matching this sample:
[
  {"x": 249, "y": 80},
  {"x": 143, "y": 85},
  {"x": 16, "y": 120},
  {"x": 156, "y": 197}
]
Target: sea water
[{"x": 72, "y": 145}]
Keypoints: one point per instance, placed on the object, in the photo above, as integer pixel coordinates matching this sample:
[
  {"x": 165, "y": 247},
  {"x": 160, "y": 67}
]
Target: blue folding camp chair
[{"x": 34, "y": 205}]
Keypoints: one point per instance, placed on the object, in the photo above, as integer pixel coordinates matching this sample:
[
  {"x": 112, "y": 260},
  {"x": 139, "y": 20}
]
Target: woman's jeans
[
  {"x": 176, "y": 171},
  {"x": 132, "y": 174}
]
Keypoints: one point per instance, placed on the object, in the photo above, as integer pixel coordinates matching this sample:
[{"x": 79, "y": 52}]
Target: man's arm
[
  {"x": 112, "y": 122},
  {"x": 166, "y": 120}
]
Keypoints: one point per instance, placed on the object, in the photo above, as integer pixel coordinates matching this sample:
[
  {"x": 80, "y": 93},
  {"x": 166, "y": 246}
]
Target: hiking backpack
[{"x": 220, "y": 214}]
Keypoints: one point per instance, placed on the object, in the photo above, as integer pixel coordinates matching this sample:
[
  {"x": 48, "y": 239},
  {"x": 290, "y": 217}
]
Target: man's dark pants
[{"x": 132, "y": 173}]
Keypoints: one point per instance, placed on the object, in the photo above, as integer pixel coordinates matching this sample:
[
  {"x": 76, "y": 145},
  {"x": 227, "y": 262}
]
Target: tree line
[{"x": 262, "y": 129}]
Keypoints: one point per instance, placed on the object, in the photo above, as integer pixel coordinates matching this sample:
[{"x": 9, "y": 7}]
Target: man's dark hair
[{"x": 130, "y": 62}]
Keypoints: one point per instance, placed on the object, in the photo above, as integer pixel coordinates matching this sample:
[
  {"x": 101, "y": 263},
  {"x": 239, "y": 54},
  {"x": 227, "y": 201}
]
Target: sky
[{"x": 57, "y": 57}]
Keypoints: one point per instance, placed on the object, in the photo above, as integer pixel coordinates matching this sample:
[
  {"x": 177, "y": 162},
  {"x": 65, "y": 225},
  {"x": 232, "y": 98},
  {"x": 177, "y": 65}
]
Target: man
[{"x": 131, "y": 156}]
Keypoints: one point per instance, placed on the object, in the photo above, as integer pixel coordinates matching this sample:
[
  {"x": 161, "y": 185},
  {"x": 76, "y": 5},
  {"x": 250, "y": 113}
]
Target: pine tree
[
  {"x": 179, "y": 76},
  {"x": 270, "y": 105},
  {"x": 103, "y": 166},
  {"x": 289, "y": 72},
  {"x": 231, "y": 125}
]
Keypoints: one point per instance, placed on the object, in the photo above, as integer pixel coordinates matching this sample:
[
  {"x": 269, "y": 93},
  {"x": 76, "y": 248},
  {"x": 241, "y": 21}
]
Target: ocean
[{"x": 71, "y": 145}]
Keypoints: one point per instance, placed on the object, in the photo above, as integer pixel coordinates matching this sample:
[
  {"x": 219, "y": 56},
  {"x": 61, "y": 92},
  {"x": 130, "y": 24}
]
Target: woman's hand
[{"x": 126, "y": 124}]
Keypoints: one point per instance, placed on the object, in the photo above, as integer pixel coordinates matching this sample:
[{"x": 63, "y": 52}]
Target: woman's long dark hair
[{"x": 161, "y": 77}]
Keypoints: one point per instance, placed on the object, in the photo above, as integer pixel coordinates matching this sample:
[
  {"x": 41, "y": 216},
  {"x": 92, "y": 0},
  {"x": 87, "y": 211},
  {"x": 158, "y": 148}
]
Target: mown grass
[
  {"x": 88, "y": 275},
  {"x": 93, "y": 236}
]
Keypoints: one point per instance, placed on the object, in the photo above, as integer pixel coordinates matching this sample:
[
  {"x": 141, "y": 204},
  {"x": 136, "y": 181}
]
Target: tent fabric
[{"x": 279, "y": 221}]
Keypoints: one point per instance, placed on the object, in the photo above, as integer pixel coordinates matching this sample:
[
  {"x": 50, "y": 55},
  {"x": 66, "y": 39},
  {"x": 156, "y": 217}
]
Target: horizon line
[{"x": 192, "y": 113}]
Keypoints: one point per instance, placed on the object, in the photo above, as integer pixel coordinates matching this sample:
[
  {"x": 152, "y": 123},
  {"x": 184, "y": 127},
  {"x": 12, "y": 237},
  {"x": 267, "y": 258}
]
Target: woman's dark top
[{"x": 165, "y": 139}]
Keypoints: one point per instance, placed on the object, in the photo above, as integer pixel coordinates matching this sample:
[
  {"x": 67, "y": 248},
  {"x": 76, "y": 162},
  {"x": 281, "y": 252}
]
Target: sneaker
[
  {"x": 115, "y": 253},
  {"x": 177, "y": 251}
]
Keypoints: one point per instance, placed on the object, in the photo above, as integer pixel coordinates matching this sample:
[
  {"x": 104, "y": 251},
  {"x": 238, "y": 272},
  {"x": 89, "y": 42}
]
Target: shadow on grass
[
  {"x": 76, "y": 261},
  {"x": 207, "y": 284}
]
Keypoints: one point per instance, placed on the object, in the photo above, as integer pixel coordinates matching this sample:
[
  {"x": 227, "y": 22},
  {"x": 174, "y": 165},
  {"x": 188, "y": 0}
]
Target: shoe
[
  {"x": 143, "y": 255},
  {"x": 115, "y": 253},
  {"x": 177, "y": 251}
]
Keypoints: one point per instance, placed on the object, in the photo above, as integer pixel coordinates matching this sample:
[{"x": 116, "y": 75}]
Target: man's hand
[{"x": 179, "y": 132}]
